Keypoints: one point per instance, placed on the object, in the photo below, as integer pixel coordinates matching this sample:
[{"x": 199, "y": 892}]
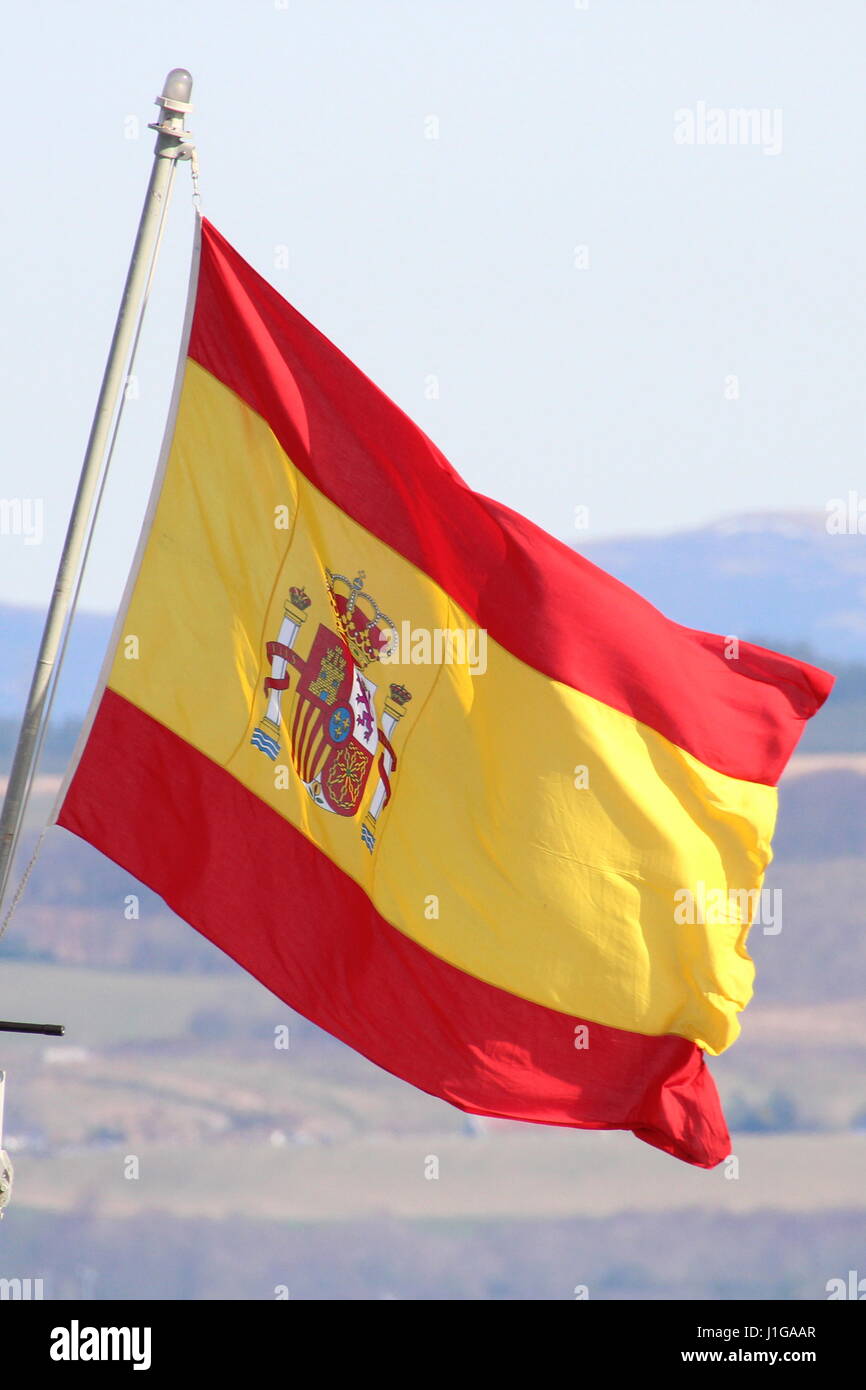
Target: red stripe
[
  {"x": 309, "y": 761},
  {"x": 301, "y": 745},
  {"x": 255, "y": 886},
  {"x": 534, "y": 595},
  {"x": 299, "y": 708}
]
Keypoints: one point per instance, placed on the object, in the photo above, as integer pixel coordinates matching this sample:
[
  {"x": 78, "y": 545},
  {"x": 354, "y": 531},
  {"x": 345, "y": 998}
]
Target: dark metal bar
[{"x": 53, "y": 1030}]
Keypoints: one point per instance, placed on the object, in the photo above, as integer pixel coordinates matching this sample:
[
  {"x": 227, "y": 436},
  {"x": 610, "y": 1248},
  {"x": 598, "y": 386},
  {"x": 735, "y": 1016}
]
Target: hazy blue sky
[{"x": 454, "y": 257}]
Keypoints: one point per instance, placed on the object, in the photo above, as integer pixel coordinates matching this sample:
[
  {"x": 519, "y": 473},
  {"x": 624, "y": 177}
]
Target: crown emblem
[
  {"x": 299, "y": 597},
  {"x": 368, "y": 631},
  {"x": 400, "y": 695}
]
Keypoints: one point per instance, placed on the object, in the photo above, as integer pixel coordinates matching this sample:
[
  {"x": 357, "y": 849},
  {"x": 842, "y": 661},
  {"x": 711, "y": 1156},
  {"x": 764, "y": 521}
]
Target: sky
[{"x": 538, "y": 228}]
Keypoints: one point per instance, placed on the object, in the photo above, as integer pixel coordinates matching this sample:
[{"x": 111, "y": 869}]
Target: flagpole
[{"x": 171, "y": 144}]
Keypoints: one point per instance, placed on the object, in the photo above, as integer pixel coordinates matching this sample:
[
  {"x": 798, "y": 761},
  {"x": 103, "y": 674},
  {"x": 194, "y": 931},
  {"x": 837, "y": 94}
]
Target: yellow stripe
[{"x": 491, "y": 853}]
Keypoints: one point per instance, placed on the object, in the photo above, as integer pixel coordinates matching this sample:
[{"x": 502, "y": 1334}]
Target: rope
[
  {"x": 25, "y": 878},
  {"x": 194, "y": 171}
]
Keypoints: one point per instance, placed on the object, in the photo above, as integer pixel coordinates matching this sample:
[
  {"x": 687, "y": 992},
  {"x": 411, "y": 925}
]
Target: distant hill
[
  {"x": 20, "y": 631},
  {"x": 767, "y": 577}
]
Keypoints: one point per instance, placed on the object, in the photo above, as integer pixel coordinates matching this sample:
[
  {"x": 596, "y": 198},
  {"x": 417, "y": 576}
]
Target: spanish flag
[{"x": 441, "y": 784}]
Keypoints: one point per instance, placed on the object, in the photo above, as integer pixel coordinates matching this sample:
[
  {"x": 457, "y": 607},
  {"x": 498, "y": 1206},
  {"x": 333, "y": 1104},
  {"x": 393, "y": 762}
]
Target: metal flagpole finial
[
  {"x": 172, "y": 139},
  {"x": 174, "y": 99}
]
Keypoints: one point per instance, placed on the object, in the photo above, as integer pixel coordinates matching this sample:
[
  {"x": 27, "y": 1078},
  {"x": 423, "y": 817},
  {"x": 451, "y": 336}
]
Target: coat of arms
[{"x": 333, "y": 727}]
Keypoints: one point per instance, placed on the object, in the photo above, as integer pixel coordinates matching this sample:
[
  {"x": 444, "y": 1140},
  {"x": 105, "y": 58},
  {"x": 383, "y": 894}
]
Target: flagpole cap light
[{"x": 176, "y": 90}]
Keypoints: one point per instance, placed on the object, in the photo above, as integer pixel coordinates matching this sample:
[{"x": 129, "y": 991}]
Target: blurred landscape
[{"x": 168, "y": 1148}]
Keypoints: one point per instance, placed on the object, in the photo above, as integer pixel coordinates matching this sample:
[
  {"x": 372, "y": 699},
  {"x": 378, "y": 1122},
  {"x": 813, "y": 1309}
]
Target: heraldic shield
[{"x": 332, "y": 722}]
